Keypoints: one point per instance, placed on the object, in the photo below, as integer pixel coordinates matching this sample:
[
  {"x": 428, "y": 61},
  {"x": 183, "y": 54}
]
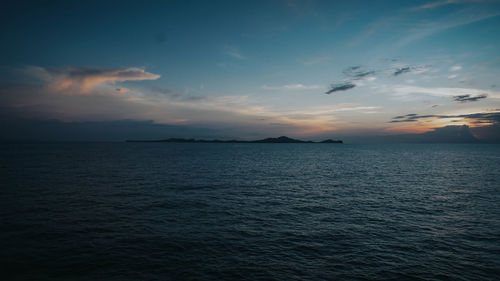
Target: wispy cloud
[
  {"x": 292, "y": 87},
  {"x": 357, "y": 73},
  {"x": 456, "y": 68},
  {"x": 435, "y": 4},
  {"x": 340, "y": 87},
  {"x": 316, "y": 60},
  {"x": 463, "y": 17},
  {"x": 401, "y": 70},
  {"x": 370, "y": 30},
  {"x": 479, "y": 118},
  {"x": 329, "y": 110},
  {"x": 409, "y": 92},
  {"x": 469, "y": 98},
  {"x": 235, "y": 53},
  {"x": 410, "y": 69},
  {"x": 174, "y": 95},
  {"x": 83, "y": 80}
]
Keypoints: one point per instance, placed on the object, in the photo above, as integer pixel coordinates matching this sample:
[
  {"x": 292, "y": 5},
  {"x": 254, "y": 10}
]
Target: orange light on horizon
[{"x": 409, "y": 129}]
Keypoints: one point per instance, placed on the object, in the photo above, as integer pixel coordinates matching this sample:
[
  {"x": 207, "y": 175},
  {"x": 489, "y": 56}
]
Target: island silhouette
[{"x": 282, "y": 139}]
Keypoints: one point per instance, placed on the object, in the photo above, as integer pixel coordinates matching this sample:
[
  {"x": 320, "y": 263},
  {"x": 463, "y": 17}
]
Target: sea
[{"x": 236, "y": 211}]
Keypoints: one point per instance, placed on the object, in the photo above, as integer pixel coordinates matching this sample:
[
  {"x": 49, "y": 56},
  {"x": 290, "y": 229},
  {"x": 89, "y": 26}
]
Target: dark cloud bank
[
  {"x": 54, "y": 130},
  {"x": 448, "y": 134},
  {"x": 488, "y": 132}
]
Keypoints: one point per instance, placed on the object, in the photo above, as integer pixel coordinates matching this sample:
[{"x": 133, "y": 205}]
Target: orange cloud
[{"x": 84, "y": 80}]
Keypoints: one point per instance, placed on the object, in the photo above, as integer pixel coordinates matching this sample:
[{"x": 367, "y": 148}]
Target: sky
[{"x": 113, "y": 70}]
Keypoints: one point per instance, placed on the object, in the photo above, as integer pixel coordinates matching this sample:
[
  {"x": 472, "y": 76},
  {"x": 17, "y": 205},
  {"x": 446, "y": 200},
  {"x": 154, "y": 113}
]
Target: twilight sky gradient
[{"x": 248, "y": 69}]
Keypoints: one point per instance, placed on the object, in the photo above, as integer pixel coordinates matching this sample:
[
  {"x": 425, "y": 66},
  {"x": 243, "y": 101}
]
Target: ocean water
[{"x": 167, "y": 211}]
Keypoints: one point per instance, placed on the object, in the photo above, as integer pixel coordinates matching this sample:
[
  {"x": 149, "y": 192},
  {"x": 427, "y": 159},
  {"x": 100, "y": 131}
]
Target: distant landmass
[{"x": 281, "y": 139}]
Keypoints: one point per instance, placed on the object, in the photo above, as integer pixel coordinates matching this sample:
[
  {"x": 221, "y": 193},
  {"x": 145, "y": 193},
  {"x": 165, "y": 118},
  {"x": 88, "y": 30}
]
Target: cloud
[
  {"x": 170, "y": 94},
  {"x": 352, "y": 68},
  {"x": 456, "y": 68},
  {"x": 404, "y": 116},
  {"x": 357, "y": 73},
  {"x": 316, "y": 60},
  {"x": 446, "y": 134},
  {"x": 436, "y": 4},
  {"x": 233, "y": 52},
  {"x": 113, "y": 130},
  {"x": 328, "y": 110},
  {"x": 412, "y": 117},
  {"x": 340, "y": 87},
  {"x": 475, "y": 118},
  {"x": 371, "y": 29},
  {"x": 450, "y": 134},
  {"x": 462, "y": 17},
  {"x": 402, "y": 70},
  {"x": 469, "y": 98},
  {"x": 232, "y": 115},
  {"x": 408, "y": 92},
  {"x": 292, "y": 87},
  {"x": 410, "y": 69},
  {"x": 355, "y": 76},
  {"x": 122, "y": 90},
  {"x": 83, "y": 80}
]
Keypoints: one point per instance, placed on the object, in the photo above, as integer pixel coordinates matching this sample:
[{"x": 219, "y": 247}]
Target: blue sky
[{"x": 246, "y": 69}]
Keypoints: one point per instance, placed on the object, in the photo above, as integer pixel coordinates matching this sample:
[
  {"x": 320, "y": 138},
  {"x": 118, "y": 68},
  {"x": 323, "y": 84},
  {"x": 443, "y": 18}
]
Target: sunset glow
[{"x": 251, "y": 70}]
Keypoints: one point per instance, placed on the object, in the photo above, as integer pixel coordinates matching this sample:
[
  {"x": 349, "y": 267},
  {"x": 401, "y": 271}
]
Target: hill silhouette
[{"x": 282, "y": 139}]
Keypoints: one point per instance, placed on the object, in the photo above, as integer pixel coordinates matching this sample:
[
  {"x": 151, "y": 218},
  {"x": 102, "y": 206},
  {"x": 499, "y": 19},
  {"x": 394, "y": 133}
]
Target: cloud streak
[
  {"x": 463, "y": 17},
  {"x": 316, "y": 60},
  {"x": 475, "y": 118},
  {"x": 469, "y": 98},
  {"x": 410, "y": 69},
  {"x": 406, "y": 92},
  {"x": 235, "y": 53},
  {"x": 435, "y": 4},
  {"x": 340, "y": 87},
  {"x": 402, "y": 70},
  {"x": 292, "y": 87},
  {"x": 357, "y": 73},
  {"x": 353, "y": 74},
  {"x": 84, "y": 80}
]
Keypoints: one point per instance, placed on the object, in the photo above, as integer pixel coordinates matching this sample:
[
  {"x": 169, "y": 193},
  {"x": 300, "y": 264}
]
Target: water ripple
[{"x": 153, "y": 211}]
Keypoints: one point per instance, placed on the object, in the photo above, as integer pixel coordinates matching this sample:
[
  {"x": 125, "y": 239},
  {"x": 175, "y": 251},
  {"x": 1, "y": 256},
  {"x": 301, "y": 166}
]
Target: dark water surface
[{"x": 166, "y": 211}]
